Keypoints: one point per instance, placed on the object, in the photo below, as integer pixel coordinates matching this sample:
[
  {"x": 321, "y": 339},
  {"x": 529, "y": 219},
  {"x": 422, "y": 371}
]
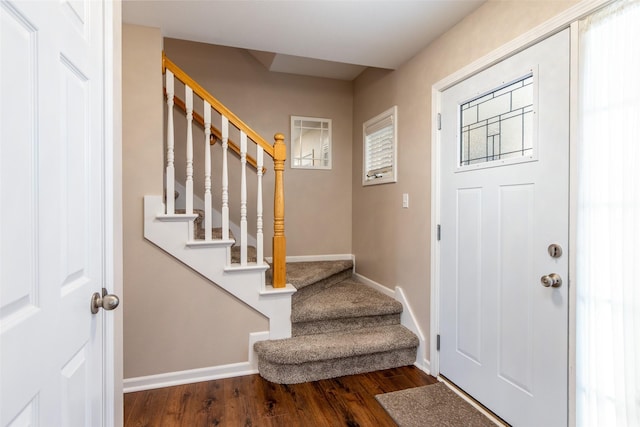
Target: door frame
[
  {"x": 112, "y": 356},
  {"x": 566, "y": 19}
]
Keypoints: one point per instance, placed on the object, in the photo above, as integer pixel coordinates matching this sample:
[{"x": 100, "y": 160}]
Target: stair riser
[
  {"x": 332, "y": 368},
  {"x": 321, "y": 285},
  {"x": 341, "y": 325}
]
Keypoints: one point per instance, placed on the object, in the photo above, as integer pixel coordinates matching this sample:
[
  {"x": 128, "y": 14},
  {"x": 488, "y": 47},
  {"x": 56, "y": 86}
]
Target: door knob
[
  {"x": 106, "y": 301},
  {"x": 553, "y": 280}
]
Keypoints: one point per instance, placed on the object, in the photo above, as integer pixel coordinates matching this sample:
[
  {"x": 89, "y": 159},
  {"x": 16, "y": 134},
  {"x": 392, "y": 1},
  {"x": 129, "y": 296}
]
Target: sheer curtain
[{"x": 608, "y": 223}]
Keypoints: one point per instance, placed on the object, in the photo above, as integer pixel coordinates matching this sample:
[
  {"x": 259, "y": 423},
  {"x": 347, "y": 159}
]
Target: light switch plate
[{"x": 405, "y": 200}]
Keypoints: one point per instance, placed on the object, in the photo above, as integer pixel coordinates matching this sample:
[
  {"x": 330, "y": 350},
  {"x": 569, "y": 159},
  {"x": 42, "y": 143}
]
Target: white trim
[
  {"x": 311, "y": 258},
  {"x": 176, "y": 217},
  {"x": 252, "y": 266},
  {"x": 375, "y": 285},
  {"x": 436, "y": 98},
  {"x": 112, "y": 369},
  {"x": 190, "y": 376},
  {"x": 542, "y": 31},
  {"x": 573, "y": 209},
  {"x": 407, "y": 318},
  {"x": 254, "y": 337},
  {"x": 209, "y": 243},
  {"x": 531, "y": 37},
  {"x": 287, "y": 289}
]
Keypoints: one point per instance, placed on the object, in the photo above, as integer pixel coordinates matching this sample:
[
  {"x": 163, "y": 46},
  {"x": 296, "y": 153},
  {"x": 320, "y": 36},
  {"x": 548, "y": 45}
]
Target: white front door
[
  {"x": 504, "y": 201},
  {"x": 51, "y": 212}
]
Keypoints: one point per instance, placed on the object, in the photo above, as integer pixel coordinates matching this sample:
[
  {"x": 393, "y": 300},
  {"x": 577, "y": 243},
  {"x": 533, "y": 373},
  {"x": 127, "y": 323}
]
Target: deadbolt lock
[{"x": 555, "y": 250}]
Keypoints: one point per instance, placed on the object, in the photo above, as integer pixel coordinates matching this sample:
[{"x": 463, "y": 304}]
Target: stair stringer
[{"x": 246, "y": 284}]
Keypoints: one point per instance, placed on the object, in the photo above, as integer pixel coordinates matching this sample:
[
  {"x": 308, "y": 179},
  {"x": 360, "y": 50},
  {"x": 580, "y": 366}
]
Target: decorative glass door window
[
  {"x": 310, "y": 143},
  {"x": 498, "y": 125}
]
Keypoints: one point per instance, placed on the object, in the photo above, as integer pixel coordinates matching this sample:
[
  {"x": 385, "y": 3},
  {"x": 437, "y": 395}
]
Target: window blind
[{"x": 380, "y": 147}]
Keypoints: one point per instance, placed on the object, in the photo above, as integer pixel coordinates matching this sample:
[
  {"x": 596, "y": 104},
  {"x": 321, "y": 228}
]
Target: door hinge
[
  {"x": 438, "y": 342},
  {"x": 439, "y": 121},
  {"x": 438, "y": 232}
]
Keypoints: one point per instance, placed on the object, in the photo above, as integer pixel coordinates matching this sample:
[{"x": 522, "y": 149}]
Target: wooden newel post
[{"x": 279, "y": 240}]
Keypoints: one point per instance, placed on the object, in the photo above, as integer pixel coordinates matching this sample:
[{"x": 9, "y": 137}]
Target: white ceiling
[{"x": 330, "y": 38}]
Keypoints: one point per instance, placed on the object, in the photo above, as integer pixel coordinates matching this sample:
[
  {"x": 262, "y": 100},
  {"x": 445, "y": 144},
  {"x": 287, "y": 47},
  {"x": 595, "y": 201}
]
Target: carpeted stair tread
[
  {"x": 339, "y": 345},
  {"x": 235, "y": 254},
  {"x": 301, "y": 274},
  {"x": 347, "y": 299},
  {"x": 216, "y": 233}
]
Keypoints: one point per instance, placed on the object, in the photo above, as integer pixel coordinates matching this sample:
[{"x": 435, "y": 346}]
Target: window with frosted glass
[{"x": 498, "y": 125}]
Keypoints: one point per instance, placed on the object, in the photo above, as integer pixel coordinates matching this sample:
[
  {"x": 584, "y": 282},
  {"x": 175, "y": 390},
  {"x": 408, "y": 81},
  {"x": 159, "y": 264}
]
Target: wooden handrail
[
  {"x": 214, "y": 131},
  {"x": 217, "y": 105},
  {"x": 277, "y": 151}
]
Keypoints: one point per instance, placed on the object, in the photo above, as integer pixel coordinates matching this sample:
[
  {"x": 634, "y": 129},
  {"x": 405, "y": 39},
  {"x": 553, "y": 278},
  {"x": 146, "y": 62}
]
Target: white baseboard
[
  {"x": 375, "y": 285},
  {"x": 187, "y": 377},
  {"x": 254, "y": 337},
  {"x": 198, "y": 375},
  {"x": 424, "y": 366},
  {"x": 407, "y": 319}
]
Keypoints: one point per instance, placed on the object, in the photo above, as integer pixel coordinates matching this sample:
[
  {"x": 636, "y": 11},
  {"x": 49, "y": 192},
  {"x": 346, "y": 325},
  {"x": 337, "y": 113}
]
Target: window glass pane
[
  {"x": 310, "y": 142},
  {"x": 498, "y": 125}
]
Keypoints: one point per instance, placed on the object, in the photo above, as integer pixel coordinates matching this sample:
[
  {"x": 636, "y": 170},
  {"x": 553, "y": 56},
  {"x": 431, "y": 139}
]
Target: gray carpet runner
[{"x": 339, "y": 327}]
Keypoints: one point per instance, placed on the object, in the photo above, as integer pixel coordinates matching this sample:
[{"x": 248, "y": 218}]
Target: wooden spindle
[
  {"x": 188, "y": 94},
  {"x": 243, "y": 198},
  {"x": 259, "y": 226},
  {"x": 208, "y": 223},
  {"x": 279, "y": 240},
  {"x": 170, "y": 169}
]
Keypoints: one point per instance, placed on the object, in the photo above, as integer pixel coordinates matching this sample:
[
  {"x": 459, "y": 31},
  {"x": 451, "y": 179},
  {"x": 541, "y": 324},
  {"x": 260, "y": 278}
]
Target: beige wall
[
  {"x": 173, "y": 318},
  {"x": 392, "y": 244},
  {"x": 317, "y": 202},
  {"x": 171, "y": 314}
]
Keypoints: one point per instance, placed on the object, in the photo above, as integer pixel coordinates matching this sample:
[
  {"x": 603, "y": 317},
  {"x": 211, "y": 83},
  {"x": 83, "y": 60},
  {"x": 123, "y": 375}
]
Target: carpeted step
[
  {"x": 318, "y": 273},
  {"x": 347, "y": 305},
  {"x": 309, "y": 278},
  {"x": 216, "y": 232},
  {"x": 235, "y": 254},
  {"x": 321, "y": 356}
]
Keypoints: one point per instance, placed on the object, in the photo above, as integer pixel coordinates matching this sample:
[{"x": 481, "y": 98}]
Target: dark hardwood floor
[{"x": 252, "y": 401}]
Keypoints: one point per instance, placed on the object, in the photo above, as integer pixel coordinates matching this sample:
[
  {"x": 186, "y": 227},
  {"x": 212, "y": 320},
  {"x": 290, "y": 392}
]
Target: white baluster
[
  {"x": 188, "y": 93},
  {"x": 243, "y": 198},
  {"x": 225, "y": 179},
  {"x": 207, "y": 172},
  {"x": 259, "y": 237},
  {"x": 170, "y": 169}
]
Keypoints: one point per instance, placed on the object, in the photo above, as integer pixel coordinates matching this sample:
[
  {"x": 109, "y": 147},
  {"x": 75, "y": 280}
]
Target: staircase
[
  {"x": 322, "y": 323},
  {"x": 339, "y": 327}
]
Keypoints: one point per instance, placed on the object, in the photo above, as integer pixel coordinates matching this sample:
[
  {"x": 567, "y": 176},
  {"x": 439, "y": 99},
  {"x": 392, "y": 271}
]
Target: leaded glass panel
[{"x": 498, "y": 125}]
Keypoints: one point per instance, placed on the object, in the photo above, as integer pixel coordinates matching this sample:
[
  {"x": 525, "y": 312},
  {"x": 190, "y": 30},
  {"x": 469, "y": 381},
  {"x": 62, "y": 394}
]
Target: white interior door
[
  {"x": 504, "y": 200},
  {"x": 51, "y": 212}
]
